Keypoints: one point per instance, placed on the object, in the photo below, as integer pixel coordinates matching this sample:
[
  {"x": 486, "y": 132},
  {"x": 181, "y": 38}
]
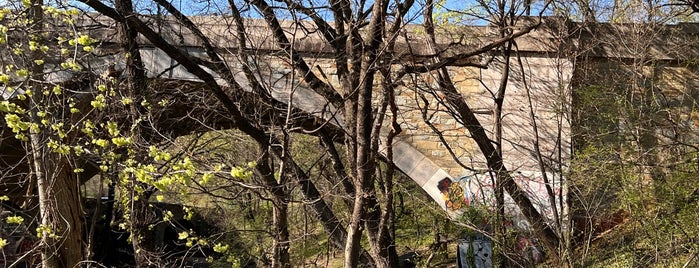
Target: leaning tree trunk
[{"x": 493, "y": 158}]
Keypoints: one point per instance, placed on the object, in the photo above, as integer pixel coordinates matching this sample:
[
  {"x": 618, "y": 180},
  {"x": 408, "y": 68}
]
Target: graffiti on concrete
[
  {"x": 454, "y": 193},
  {"x": 475, "y": 252},
  {"x": 529, "y": 249},
  {"x": 532, "y": 183}
]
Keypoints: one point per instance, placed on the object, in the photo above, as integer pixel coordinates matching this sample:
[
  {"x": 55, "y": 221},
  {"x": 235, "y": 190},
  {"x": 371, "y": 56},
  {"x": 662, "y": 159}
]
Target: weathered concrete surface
[{"x": 419, "y": 153}]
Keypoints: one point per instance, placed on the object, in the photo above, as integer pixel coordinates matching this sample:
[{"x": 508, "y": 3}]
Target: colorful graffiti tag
[
  {"x": 532, "y": 183},
  {"x": 454, "y": 193}
]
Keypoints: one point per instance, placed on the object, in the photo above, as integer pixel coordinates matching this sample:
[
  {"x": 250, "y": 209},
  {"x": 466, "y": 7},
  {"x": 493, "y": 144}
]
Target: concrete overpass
[{"x": 419, "y": 152}]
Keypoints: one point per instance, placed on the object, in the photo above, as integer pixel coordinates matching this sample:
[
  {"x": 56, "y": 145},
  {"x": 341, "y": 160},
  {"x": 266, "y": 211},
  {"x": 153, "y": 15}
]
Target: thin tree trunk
[
  {"x": 541, "y": 228},
  {"x": 281, "y": 234},
  {"x": 383, "y": 240},
  {"x": 40, "y": 163},
  {"x": 365, "y": 154},
  {"x": 59, "y": 201},
  {"x": 507, "y": 19},
  {"x": 60, "y": 210},
  {"x": 280, "y": 200},
  {"x": 48, "y": 244},
  {"x": 141, "y": 217},
  {"x": 142, "y": 239}
]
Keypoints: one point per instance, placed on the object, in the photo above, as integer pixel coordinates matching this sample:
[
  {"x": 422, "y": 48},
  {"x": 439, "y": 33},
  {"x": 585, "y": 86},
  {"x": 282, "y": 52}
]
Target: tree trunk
[
  {"x": 541, "y": 228},
  {"x": 365, "y": 198},
  {"x": 280, "y": 216},
  {"x": 142, "y": 240},
  {"x": 60, "y": 210},
  {"x": 499, "y": 228},
  {"x": 59, "y": 200},
  {"x": 45, "y": 207},
  {"x": 363, "y": 182},
  {"x": 281, "y": 234},
  {"x": 141, "y": 217}
]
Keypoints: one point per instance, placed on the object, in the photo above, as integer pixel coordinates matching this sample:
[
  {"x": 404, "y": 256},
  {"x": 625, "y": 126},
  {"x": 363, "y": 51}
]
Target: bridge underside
[{"x": 192, "y": 109}]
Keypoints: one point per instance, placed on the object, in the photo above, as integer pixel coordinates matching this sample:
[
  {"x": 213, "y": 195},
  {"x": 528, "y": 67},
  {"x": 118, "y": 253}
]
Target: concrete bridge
[
  {"x": 434, "y": 149},
  {"x": 419, "y": 151}
]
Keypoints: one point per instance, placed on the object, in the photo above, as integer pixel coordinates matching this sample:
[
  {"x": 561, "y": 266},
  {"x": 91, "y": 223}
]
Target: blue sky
[{"x": 456, "y": 10}]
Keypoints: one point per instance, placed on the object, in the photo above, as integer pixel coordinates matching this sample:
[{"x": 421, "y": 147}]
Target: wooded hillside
[{"x": 301, "y": 133}]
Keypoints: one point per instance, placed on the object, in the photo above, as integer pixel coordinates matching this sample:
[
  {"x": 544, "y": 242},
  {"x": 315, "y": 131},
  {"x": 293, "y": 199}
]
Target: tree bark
[
  {"x": 280, "y": 201},
  {"x": 59, "y": 201},
  {"x": 141, "y": 217},
  {"x": 281, "y": 233},
  {"x": 142, "y": 239}
]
